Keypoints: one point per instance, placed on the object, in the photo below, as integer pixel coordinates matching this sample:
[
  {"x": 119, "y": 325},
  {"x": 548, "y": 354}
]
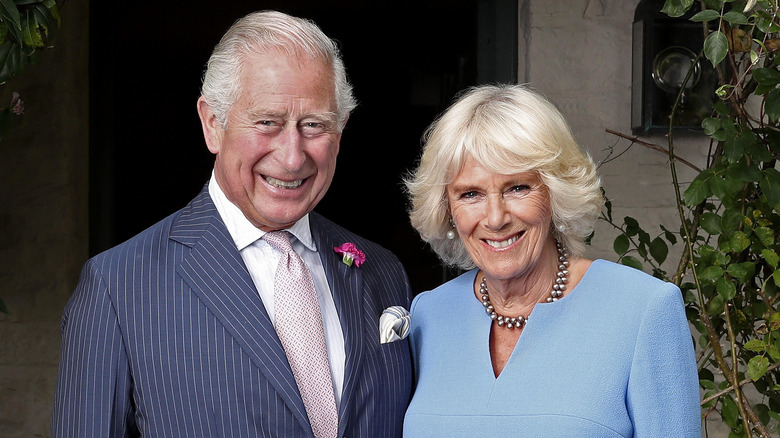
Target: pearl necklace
[{"x": 561, "y": 278}]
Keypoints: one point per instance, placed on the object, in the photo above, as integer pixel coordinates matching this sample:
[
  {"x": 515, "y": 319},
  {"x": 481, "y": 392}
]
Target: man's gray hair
[{"x": 257, "y": 33}]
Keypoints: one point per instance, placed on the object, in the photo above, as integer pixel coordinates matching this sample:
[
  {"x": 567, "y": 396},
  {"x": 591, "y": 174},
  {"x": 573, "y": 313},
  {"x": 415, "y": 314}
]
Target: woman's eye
[
  {"x": 519, "y": 188},
  {"x": 469, "y": 195},
  {"x": 266, "y": 122}
]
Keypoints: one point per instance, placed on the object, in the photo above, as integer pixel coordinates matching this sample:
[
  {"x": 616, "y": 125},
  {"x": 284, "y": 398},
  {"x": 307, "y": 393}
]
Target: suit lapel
[
  {"x": 346, "y": 285},
  {"x": 217, "y": 275}
]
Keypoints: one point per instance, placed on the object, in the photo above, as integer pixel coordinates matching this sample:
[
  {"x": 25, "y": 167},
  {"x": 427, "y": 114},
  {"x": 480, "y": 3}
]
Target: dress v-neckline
[{"x": 486, "y": 324}]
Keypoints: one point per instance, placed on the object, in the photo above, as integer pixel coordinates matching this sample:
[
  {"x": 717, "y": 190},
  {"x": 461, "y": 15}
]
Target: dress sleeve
[
  {"x": 663, "y": 389},
  {"x": 92, "y": 398}
]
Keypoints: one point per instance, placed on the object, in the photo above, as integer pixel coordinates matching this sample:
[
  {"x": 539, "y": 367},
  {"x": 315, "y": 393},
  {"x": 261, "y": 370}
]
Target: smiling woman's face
[{"x": 504, "y": 220}]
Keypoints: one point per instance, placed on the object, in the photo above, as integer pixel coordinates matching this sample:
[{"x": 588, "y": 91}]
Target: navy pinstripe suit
[{"x": 166, "y": 336}]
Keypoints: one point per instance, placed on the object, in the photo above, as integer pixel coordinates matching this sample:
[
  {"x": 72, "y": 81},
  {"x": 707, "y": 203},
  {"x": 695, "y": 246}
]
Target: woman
[{"x": 534, "y": 339}]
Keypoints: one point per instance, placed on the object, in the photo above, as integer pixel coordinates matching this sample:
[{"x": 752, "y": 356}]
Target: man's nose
[{"x": 291, "y": 148}]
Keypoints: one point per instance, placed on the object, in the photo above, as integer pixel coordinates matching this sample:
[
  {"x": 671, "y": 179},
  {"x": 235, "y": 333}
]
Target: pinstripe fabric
[{"x": 166, "y": 336}]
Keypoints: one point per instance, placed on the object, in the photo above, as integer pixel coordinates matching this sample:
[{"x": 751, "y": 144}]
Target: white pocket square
[{"x": 394, "y": 324}]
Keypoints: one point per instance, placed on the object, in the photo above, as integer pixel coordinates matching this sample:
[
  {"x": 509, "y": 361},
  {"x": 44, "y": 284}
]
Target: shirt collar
[{"x": 242, "y": 231}]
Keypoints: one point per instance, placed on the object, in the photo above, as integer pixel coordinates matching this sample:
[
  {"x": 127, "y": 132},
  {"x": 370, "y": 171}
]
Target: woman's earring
[
  {"x": 561, "y": 228},
  {"x": 451, "y": 232}
]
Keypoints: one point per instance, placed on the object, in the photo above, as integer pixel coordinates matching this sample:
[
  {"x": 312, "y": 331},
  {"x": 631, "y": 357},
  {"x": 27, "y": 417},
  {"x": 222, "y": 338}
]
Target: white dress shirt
[{"x": 261, "y": 261}]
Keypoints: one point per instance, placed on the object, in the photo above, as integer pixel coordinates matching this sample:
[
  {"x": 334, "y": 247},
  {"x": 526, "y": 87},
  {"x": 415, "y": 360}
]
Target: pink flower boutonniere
[{"x": 350, "y": 254}]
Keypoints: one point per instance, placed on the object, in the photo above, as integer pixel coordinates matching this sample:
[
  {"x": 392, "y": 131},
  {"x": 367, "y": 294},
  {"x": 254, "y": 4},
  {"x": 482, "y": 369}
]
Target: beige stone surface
[{"x": 43, "y": 222}]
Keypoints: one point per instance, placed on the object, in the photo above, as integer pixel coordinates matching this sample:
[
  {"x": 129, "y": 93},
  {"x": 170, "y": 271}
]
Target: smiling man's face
[{"x": 276, "y": 155}]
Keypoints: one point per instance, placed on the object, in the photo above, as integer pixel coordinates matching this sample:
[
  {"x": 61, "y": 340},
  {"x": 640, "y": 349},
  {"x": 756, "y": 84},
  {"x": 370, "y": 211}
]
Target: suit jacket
[{"x": 166, "y": 336}]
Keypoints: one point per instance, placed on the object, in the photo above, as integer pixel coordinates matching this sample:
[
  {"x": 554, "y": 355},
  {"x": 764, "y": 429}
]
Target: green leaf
[
  {"x": 766, "y": 76},
  {"x": 716, "y": 306},
  {"x": 12, "y": 62},
  {"x": 632, "y": 262},
  {"x": 707, "y": 384},
  {"x": 770, "y": 186},
  {"x": 774, "y": 352},
  {"x": 766, "y": 24},
  {"x": 706, "y": 15},
  {"x": 669, "y": 236},
  {"x": 724, "y": 243},
  {"x": 711, "y": 125},
  {"x": 711, "y": 223},
  {"x": 676, "y": 8},
  {"x": 757, "y": 367},
  {"x": 696, "y": 193},
  {"x": 716, "y": 46},
  {"x": 721, "y": 108},
  {"x": 751, "y": 173},
  {"x": 742, "y": 271},
  {"x": 739, "y": 241},
  {"x": 32, "y": 32},
  {"x": 753, "y": 146},
  {"x": 772, "y": 105},
  {"x": 729, "y": 412},
  {"x": 726, "y": 288},
  {"x": 710, "y": 274},
  {"x": 8, "y": 10},
  {"x": 734, "y": 17},
  {"x": 756, "y": 345},
  {"x": 731, "y": 220},
  {"x": 733, "y": 150},
  {"x": 771, "y": 257},
  {"x": 714, "y": 4},
  {"x": 719, "y": 187},
  {"x": 659, "y": 250},
  {"x": 765, "y": 235},
  {"x": 621, "y": 244},
  {"x": 632, "y": 226}
]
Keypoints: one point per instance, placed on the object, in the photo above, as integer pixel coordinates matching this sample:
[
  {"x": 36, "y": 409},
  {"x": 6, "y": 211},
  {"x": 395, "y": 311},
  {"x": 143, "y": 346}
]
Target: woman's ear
[{"x": 212, "y": 128}]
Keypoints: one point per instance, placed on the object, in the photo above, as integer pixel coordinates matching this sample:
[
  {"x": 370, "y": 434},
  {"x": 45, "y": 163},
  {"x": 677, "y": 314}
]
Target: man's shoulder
[{"x": 182, "y": 225}]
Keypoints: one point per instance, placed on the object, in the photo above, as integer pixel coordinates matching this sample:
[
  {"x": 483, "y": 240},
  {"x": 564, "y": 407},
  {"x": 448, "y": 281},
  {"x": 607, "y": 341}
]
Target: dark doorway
[{"x": 406, "y": 59}]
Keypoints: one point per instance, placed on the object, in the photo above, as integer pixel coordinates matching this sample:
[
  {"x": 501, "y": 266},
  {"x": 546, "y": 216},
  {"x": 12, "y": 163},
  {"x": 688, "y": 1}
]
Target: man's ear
[{"x": 212, "y": 128}]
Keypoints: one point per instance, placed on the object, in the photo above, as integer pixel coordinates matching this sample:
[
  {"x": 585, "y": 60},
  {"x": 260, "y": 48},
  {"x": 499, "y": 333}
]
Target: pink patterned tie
[{"x": 298, "y": 322}]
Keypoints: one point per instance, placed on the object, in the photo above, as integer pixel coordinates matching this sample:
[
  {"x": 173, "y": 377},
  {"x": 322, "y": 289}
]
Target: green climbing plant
[
  {"x": 27, "y": 28},
  {"x": 729, "y": 225}
]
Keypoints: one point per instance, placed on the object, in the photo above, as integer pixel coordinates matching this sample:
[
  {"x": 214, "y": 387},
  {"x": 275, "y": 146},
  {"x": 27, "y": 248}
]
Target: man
[{"x": 183, "y": 330}]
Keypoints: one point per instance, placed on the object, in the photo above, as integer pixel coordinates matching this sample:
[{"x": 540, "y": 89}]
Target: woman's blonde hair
[{"x": 507, "y": 129}]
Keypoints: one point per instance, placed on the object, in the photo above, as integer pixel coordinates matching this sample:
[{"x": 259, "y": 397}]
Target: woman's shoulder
[
  {"x": 616, "y": 272},
  {"x": 446, "y": 294},
  {"x": 634, "y": 285}
]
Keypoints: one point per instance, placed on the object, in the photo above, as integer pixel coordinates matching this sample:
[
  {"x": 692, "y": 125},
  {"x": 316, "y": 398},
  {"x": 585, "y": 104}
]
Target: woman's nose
[{"x": 497, "y": 213}]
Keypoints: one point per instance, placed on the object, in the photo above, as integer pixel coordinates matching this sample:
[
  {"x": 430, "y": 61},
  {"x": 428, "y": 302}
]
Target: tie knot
[{"x": 280, "y": 240}]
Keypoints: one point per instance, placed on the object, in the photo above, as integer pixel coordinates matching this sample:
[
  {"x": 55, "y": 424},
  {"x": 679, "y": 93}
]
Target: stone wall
[
  {"x": 43, "y": 221},
  {"x": 578, "y": 53}
]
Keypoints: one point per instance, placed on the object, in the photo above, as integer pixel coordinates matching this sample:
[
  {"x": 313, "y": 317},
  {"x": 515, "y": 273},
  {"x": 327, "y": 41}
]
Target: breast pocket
[{"x": 395, "y": 352}]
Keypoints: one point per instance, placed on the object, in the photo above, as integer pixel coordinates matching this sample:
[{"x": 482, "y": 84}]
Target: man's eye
[{"x": 312, "y": 128}]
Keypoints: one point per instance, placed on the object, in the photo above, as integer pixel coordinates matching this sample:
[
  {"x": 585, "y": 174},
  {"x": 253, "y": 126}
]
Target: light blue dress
[{"x": 614, "y": 358}]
